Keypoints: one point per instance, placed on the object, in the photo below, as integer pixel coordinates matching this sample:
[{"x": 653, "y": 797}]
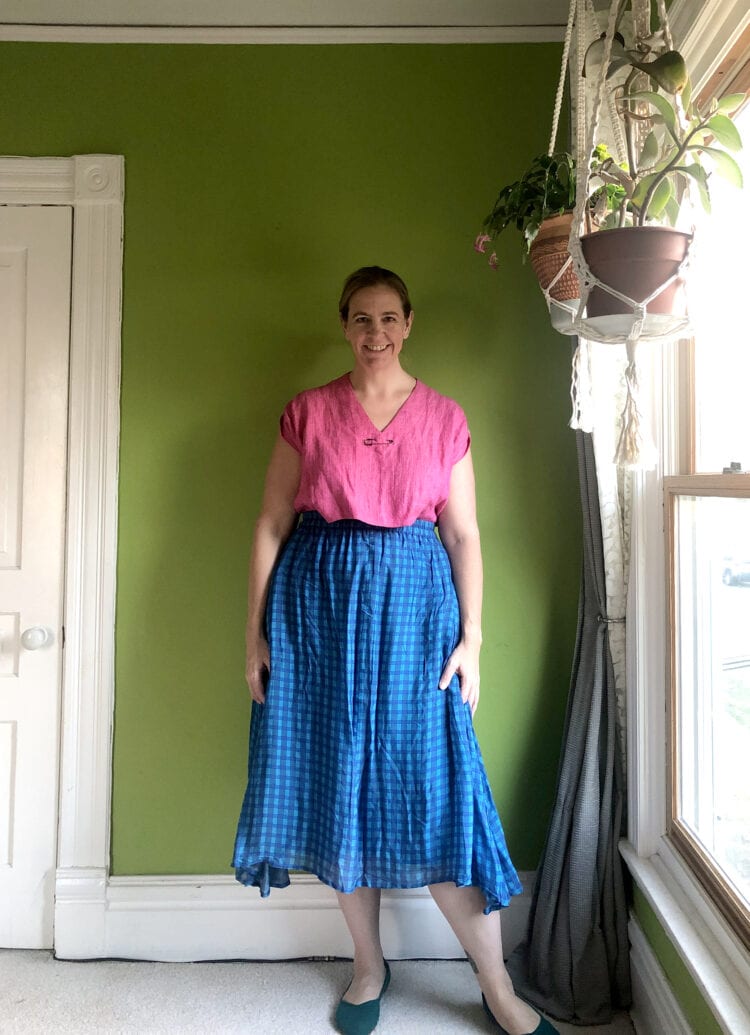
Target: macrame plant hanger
[
  {"x": 633, "y": 449},
  {"x": 563, "y": 312}
]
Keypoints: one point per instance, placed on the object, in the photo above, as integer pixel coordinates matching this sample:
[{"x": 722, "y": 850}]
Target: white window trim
[{"x": 703, "y": 31}]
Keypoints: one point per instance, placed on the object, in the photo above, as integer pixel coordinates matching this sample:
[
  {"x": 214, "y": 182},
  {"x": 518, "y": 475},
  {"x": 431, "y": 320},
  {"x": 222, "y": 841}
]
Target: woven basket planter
[{"x": 549, "y": 251}]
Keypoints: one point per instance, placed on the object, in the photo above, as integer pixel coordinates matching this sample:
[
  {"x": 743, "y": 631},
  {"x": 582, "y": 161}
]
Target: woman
[{"x": 363, "y": 645}]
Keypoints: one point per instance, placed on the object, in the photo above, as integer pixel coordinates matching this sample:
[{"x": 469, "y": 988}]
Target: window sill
[{"x": 718, "y": 963}]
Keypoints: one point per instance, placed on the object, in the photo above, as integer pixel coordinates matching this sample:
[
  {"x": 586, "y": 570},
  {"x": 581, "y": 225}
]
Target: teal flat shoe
[
  {"x": 362, "y": 1018},
  {"x": 543, "y": 1028}
]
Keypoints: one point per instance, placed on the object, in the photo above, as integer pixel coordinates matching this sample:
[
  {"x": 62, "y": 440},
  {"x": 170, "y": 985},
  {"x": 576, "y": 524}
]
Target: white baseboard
[
  {"x": 655, "y": 1009},
  {"x": 189, "y": 918}
]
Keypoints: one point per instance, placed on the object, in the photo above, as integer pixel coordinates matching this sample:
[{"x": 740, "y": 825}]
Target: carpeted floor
[{"x": 40, "y": 994}]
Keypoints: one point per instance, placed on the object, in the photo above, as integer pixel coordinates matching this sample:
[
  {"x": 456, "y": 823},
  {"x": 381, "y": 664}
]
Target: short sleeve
[
  {"x": 461, "y": 439},
  {"x": 290, "y": 424}
]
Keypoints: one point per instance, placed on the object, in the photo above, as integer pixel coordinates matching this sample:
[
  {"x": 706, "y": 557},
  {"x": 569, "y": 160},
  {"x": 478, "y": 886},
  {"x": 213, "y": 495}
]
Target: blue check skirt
[{"x": 361, "y": 770}]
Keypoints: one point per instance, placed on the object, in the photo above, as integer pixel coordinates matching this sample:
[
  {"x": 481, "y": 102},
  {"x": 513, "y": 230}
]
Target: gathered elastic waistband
[{"x": 310, "y": 520}]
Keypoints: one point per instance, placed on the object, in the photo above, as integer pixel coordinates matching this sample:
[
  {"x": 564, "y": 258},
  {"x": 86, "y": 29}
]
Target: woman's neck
[{"x": 393, "y": 381}]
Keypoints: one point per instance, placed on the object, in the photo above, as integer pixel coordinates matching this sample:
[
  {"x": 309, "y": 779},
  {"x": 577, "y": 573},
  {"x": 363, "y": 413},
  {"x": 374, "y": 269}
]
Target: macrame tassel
[
  {"x": 634, "y": 446},
  {"x": 582, "y": 417}
]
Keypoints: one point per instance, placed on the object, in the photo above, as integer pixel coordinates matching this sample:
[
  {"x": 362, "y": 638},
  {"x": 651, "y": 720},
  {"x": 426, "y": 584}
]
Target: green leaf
[
  {"x": 666, "y": 158},
  {"x": 726, "y": 166},
  {"x": 531, "y": 231},
  {"x": 660, "y": 199},
  {"x": 639, "y": 194},
  {"x": 695, "y": 170},
  {"x": 700, "y": 136},
  {"x": 661, "y": 104},
  {"x": 680, "y": 186},
  {"x": 595, "y": 52},
  {"x": 730, "y": 102},
  {"x": 700, "y": 176},
  {"x": 616, "y": 64},
  {"x": 649, "y": 152},
  {"x": 668, "y": 71},
  {"x": 687, "y": 95},
  {"x": 725, "y": 132},
  {"x": 672, "y": 211}
]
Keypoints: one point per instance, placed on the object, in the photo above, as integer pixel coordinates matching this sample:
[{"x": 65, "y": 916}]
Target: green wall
[
  {"x": 256, "y": 179},
  {"x": 687, "y": 993}
]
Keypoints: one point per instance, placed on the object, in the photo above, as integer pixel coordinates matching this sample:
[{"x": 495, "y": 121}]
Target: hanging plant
[
  {"x": 540, "y": 206},
  {"x": 671, "y": 144},
  {"x": 546, "y": 189},
  {"x": 633, "y": 269},
  {"x": 682, "y": 145}
]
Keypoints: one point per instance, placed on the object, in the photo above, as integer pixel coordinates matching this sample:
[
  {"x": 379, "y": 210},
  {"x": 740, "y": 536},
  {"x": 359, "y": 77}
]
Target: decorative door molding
[{"x": 92, "y": 185}]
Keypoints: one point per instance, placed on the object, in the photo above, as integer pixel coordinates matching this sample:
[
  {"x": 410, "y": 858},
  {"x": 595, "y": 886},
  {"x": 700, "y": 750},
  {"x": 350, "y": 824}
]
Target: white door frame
[{"x": 93, "y": 186}]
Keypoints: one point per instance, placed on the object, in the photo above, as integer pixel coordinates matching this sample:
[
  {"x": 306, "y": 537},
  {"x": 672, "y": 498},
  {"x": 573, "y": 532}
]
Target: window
[
  {"x": 708, "y": 556},
  {"x": 709, "y": 520}
]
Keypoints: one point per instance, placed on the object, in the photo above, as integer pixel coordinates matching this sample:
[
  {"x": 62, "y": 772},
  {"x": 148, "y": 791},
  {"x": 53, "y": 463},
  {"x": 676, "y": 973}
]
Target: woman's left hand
[{"x": 464, "y": 662}]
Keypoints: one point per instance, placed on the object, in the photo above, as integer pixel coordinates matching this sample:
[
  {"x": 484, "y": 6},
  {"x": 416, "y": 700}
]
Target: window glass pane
[
  {"x": 720, "y": 308},
  {"x": 712, "y": 599}
]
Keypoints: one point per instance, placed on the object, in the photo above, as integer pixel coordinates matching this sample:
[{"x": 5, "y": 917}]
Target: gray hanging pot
[{"x": 636, "y": 260}]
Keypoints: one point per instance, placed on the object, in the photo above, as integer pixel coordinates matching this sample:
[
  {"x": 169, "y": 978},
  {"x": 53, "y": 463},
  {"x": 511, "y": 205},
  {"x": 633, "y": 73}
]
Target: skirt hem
[{"x": 261, "y": 877}]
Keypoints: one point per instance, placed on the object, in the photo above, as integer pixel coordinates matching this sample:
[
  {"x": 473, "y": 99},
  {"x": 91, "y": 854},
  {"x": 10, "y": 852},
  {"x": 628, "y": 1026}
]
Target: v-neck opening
[{"x": 367, "y": 416}]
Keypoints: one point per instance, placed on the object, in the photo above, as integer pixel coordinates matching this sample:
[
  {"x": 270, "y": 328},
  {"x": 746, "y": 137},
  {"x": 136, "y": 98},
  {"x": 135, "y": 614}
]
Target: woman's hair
[{"x": 372, "y": 276}]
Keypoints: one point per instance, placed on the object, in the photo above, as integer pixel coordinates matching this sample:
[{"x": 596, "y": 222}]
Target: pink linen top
[{"x": 388, "y": 478}]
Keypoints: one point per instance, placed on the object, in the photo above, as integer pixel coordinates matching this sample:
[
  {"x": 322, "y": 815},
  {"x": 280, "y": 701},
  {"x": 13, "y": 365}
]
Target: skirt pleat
[{"x": 361, "y": 770}]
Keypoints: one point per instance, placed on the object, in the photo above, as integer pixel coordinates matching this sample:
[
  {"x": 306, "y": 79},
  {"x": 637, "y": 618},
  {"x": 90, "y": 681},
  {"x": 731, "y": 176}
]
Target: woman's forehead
[{"x": 379, "y": 296}]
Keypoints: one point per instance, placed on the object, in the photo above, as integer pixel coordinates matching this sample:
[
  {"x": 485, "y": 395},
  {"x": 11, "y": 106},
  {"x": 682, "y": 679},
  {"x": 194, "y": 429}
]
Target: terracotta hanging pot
[
  {"x": 635, "y": 260},
  {"x": 548, "y": 253}
]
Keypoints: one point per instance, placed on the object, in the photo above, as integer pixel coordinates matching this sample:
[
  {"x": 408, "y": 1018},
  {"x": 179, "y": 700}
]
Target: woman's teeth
[{"x": 375, "y": 348}]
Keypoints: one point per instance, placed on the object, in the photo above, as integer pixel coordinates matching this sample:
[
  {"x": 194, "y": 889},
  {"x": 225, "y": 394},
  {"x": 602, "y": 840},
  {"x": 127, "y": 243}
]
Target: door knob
[{"x": 35, "y": 637}]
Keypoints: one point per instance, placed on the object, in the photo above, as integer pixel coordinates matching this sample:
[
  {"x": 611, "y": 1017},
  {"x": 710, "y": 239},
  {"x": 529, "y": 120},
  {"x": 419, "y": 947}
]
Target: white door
[{"x": 35, "y": 265}]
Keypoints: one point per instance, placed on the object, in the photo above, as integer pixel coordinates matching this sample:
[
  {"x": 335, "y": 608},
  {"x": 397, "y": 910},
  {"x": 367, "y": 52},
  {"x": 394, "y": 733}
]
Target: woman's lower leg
[
  {"x": 361, "y": 909},
  {"x": 480, "y": 937}
]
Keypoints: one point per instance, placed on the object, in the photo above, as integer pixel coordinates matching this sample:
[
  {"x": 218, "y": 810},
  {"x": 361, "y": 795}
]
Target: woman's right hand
[{"x": 257, "y": 668}]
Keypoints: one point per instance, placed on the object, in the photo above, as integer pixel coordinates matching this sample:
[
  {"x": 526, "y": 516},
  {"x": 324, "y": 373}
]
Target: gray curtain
[{"x": 574, "y": 963}]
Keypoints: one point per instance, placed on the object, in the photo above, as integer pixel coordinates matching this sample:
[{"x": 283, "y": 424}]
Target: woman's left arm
[{"x": 459, "y": 534}]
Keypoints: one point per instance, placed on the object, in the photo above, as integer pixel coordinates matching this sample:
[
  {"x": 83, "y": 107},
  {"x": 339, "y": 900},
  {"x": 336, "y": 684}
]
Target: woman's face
[{"x": 376, "y": 326}]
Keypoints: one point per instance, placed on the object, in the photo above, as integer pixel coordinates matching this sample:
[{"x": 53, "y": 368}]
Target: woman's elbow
[
  {"x": 456, "y": 537},
  {"x": 275, "y": 524}
]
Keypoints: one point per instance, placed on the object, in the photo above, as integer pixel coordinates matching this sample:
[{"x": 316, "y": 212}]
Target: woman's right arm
[{"x": 272, "y": 529}]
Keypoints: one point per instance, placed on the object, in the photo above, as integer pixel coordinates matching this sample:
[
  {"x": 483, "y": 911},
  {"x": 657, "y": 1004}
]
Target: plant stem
[
  {"x": 684, "y": 146},
  {"x": 629, "y": 138}
]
